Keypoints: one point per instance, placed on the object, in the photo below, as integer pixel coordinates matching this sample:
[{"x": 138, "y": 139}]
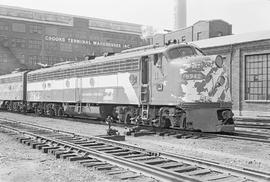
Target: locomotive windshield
[
  {"x": 184, "y": 51},
  {"x": 180, "y": 52}
]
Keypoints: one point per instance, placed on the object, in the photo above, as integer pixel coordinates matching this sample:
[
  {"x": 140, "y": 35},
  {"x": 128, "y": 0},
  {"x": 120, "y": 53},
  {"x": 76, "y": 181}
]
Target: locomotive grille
[
  {"x": 11, "y": 79},
  {"x": 93, "y": 69}
]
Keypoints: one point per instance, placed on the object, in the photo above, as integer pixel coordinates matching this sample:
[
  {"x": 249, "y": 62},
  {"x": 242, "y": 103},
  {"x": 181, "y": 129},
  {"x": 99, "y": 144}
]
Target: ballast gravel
[{"x": 21, "y": 163}]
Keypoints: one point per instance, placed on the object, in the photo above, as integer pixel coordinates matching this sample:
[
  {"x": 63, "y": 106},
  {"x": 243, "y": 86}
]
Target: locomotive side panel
[
  {"x": 12, "y": 87},
  {"x": 63, "y": 90},
  {"x": 119, "y": 88}
]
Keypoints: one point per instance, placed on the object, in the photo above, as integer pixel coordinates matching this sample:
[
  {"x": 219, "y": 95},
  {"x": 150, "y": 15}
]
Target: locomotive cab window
[{"x": 180, "y": 52}]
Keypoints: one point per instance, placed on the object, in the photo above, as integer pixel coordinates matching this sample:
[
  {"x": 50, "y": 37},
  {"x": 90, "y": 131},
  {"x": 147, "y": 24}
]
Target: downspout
[
  {"x": 231, "y": 55},
  {"x": 240, "y": 82}
]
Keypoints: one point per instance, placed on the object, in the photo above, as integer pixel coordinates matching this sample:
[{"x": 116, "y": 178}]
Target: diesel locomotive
[{"x": 175, "y": 86}]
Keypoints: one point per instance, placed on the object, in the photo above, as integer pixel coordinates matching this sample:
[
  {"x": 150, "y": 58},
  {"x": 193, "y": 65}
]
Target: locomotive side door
[
  {"x": 159, "y": 80},
  {"x": 145, "y": 85},
  {"x": 145, "y": 92}
]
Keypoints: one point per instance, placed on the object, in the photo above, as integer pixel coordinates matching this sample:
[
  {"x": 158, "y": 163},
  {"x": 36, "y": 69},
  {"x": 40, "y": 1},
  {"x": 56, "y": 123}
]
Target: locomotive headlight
[{"x": 219, "y": 61}]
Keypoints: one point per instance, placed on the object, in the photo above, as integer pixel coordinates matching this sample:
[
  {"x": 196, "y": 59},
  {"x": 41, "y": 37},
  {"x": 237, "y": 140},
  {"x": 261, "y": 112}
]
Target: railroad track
[
  {"x": 251, "y": 123},
  {"x": 126, "y": 161},
  {"x": 261, "y": 136}
]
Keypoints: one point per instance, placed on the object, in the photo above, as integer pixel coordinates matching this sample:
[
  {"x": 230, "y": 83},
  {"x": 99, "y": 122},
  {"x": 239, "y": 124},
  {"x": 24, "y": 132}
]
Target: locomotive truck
[{"x": 175, "y": 86}]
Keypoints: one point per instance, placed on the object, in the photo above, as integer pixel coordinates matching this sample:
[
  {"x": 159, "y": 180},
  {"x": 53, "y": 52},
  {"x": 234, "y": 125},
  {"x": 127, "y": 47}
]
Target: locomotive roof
[
  {"x": 102, "y": 59},
  {"x": 12, "y": 75}
]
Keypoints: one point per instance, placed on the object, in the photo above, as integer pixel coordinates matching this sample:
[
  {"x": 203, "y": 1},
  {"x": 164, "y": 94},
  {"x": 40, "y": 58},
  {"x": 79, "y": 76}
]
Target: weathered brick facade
[
  {"x": 30, "y": 37},
  {"x": 198, "y": 31},
  {"x": 234, "y": 58}
]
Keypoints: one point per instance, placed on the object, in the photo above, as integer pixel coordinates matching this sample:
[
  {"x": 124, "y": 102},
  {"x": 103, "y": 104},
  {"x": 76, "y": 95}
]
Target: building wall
[
  {"x": 183, "y": 35},
  {"x": 201, "y": 30},
  {"x": 219, "y": 28},
  {"x": 41, "y": 37},
  {"x": 235, "y": 57},
  {"x": 198, "y": 31},
  {"x": 158, "y": 39}
]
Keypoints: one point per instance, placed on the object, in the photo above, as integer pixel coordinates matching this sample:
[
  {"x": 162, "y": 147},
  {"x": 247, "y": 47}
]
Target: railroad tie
[
  {"x": 21, "y": 139},
  {"x": 59, "y": 153},
  {"x": 39, "y": 147},
  {"x": 214, "y": 177},
  {"x": 135, "y": 156},
  {"x": 104, "y": 167},
  {"x": 46, "y": 149},
  {"x": 78, "y": 158},
  {"x": 64, "y": 156},
  {"x": 52, "y": 151},
  {"x": 114, "y": 172},
  {"x": 169, "y": 165},
  {"x": 130, "y": 176},
  {"x": 198, "y": 172},
  {"x": 124, "y": 153},
  {"x": 183, "y": 169},
  {"x": 144, "y": 158},
  {"x": 156, "y": 161},
  {"x": 87, "y": 161},
  {"x": 107, "y": 148},
  {"x": 93, "y": 164}
]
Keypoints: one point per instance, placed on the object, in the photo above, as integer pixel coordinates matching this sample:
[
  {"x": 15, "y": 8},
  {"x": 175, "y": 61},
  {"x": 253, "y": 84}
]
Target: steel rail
[
  {"x": 244, "y": 172},
  {"x": 254, "y": 138},
  {"x": 152, "y": 171}
]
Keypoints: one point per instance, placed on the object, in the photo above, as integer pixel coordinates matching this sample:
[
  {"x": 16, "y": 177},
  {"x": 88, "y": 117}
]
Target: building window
[
  {"x": 183, "y": 38},
  {"x": 65, "y": 33},
  {"x": 4, "y": 26},
  {"x": 66, "y": 47},
  {"x": 3, "y": 58},
  {"x": 50, "y": 60},
  {"x": 51, "y": 31},
  {"x": 199, "y": 34},
  {"x": 35, "y": 44},
  {"x": 21, "y": 58},
  {"x": 35, "y": 29},
  {"x": 34, "y": 59},
  {"x": 17, "y": 42},
  {"x": 257, "y": 76},
  {"x": 51, "y": 45},
  {"x": 18, "y": 27}
]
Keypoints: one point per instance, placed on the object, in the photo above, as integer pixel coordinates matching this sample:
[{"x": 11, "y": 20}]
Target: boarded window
[{"x": 18, "y": 27}]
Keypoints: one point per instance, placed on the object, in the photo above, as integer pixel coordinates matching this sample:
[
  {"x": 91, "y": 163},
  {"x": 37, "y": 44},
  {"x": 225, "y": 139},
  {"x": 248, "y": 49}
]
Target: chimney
[{"x": 180, "y": 16}]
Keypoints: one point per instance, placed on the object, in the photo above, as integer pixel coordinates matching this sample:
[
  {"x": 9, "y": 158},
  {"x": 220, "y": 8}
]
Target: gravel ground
[
  {"x": 20, "y": 163},
  {"x": 45, "y": 168}
]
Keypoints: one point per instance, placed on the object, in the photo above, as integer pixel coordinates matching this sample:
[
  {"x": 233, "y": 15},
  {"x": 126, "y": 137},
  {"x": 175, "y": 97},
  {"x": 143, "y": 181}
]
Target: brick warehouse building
[
  {"x": 203, "y": 29},
  {"x": 247, "y": 57},
  {"x": 28, "y": 37}
]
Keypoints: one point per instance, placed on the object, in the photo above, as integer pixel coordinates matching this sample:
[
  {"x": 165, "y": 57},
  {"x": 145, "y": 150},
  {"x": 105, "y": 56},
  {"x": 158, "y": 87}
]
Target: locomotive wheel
[
  {"x": 50, "y": 112},
  {"x": 60, "y": 112},
  {"x": 105, "y": 111},
  {"x": 164, "y": 122},
  {"x": 128, "y": 118}
]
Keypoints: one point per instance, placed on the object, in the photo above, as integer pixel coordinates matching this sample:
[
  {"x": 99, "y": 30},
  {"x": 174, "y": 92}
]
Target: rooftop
[
  {"x": 18, "y": 13},
  {"x": 233, "y": 39}
]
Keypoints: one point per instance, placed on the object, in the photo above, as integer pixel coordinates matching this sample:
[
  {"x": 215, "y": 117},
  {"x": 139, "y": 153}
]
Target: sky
[{"x": 244, "y": 15}]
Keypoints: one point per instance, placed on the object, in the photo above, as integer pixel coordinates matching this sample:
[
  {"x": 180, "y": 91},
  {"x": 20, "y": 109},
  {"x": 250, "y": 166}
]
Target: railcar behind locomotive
[
  {"x": 174, "y": 86},
  {"x": 12, "y": 91}
]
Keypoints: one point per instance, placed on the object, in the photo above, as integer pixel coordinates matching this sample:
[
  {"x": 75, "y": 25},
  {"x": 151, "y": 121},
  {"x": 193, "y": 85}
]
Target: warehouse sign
[{"x": 85, "y": 42}]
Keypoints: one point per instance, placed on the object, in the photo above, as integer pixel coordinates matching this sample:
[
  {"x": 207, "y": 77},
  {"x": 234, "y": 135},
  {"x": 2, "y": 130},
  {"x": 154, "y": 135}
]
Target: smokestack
[{"x": 180, "y": 17}]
